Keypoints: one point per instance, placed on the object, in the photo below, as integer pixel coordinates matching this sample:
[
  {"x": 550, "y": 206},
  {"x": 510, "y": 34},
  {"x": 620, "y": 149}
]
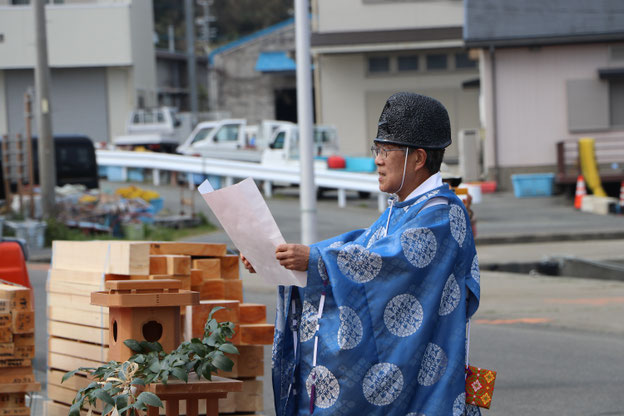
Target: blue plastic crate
[
  {"x": 360, "y": 164},
  {"x": 533, "y": 184}
]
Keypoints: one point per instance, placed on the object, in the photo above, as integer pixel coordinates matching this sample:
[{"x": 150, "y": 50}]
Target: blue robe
[{"x": 391, "y": 337}]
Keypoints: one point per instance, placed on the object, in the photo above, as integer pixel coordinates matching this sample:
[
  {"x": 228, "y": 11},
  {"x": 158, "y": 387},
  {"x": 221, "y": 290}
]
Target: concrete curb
[{"x": 549, "y": 237}]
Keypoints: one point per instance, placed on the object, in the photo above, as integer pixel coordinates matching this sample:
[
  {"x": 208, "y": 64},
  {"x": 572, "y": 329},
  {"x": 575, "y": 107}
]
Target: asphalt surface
[{"x": 556, "y": 342}]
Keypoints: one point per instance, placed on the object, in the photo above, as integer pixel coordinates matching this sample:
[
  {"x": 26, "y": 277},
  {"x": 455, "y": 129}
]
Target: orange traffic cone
[{"x": 580, "y": 192}]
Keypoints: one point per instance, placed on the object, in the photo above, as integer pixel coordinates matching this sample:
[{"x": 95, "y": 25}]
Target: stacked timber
[
  {"x": 17, "y": 349},
  {"x": 79, "y": 331}
]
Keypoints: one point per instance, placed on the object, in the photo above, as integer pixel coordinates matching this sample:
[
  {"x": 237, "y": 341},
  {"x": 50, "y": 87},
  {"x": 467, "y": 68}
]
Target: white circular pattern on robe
[
  {"x": 359, "y": 264},
  {"x": 377, "y": 235},
  {"x": 382, "y": 384},
  {"x": 459, "y": 405},
  {"x": 474, "y": 270},
  {"x": 450, "y": 296},
  {"x": 336, "y": 244},
  {"x": 350, "y": 330},
  {"x": 327, "y": 387},
  {"x": 309, "y": 320},
  {"x": 433, "y": 365},
  {"x": 458, "y": 223},
  {"x": 419, "y": 246},
  {"x": 403, "y": 315},
  {"x": 322, "y": 269}
]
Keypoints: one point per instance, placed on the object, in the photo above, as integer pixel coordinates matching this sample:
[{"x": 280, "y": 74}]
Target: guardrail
[{"x": 231, "y": 170}]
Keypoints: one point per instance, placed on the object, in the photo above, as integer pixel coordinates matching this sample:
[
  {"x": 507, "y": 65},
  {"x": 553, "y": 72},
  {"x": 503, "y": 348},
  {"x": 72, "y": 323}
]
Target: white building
[
  {"x": 366, "y": 50},
  {"x": 102, "y": 64},
  {"x": 549, "y": 71}
]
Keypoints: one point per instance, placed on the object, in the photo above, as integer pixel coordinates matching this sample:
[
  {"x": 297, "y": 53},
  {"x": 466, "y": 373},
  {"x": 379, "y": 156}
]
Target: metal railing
[{"x": 231, "y": 170}]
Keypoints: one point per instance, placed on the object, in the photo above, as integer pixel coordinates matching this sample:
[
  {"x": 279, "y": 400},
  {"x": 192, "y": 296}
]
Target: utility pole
[
  {"x": 307, "y": 190},
  {"x": 189, "y": 14},
  {"x": 47, "y": 159}
]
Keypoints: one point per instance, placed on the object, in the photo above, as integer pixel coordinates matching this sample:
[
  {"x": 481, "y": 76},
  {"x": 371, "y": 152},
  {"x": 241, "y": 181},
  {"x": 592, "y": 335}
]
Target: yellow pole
[{"x": 589, "y": 167}]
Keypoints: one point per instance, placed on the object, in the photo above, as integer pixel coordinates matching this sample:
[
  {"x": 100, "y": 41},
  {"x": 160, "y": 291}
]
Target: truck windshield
[
  {"x": 228, "y": 133},
  {"x": 202, "y": 134}
]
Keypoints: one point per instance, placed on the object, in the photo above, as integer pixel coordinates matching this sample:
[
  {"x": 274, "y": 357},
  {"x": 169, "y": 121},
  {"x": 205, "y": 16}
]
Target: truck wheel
[{"x": 364, "y": 195}]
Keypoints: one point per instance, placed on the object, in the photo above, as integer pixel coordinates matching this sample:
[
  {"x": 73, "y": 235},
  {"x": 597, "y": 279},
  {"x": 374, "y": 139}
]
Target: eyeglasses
[{"x": 378, "y": 150}]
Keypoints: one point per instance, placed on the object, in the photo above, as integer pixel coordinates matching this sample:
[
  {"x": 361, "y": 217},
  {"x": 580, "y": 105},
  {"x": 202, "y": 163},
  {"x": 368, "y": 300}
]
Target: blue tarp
[{"x": 275, "y": 61}]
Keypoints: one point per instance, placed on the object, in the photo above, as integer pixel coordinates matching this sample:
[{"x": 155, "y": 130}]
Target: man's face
[{"x": 390, "y": 166}]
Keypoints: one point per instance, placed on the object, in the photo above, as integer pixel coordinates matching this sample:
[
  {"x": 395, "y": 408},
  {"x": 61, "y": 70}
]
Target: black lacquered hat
[{"x": 414, "y": 120}]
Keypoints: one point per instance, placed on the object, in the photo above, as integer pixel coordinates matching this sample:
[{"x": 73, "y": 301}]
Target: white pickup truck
[
  {"x": 157, "y": 129},
  {"x": 271, "y": 142}
]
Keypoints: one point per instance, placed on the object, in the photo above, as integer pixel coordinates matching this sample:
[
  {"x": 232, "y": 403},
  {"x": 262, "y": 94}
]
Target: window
[
  {"x": 228, "y": 133},
  {"x": 408, "y": 63},
  {"x": 616, "y": 103},
  {"x": 462, "y": 61},
  {"x": 378, "y": 64},
  {"x": 436, "y": 61},
  {"x": 202, "y": 134}
]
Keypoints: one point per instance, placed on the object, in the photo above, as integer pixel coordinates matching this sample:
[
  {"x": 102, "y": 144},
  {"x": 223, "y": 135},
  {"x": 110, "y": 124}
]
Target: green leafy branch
[{"x": 116, "y": 384}]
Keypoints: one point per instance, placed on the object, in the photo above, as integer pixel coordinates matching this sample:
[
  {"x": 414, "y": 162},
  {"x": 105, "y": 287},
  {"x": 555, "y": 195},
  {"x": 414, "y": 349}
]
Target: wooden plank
[
  {"x": 7, "y": 349},
  {"x": 249, "y": 362},
  {"x": 116, "y": 257},
  {"x": 257, "y": 334},
  {"x": 12, "y": 400},
  {"x": 82, "y": 277},
  {"x": 16, "y": 411},
  {"x": 23, "y": 321},
  {"x": 129, "y": 300},
  {"x": 230, "y": 267},
  {"x": 24, "y": 339},
  {"x": 76, "y": 382},
  {"x": 6, "y": 335},
  {"x": 78, "y": 349},
  {"x": 197, "y": 277},
  {"x": 252, "y": 313},
  {"x": 68, "y": 300},
  {"x": 184, "y": 279},
  {"x": 250, "y": 399},
  {"x": 189, "y": 249},
  {"x": 153, "y": 285},
  {"x": 5, "y": 320},
  {"x": 24, "y": 351},
  {"x": 78, "y": 317},
  {"x": 75, "y": 288},
  {"x": 20, "y": 387},
  {"x": 14, "y": 362},
  {"x": 234, "y": 289},
  {"x": 78, "y": 332},
  {"x": 17, "y": 375},
  {"x": 68, "y": 363},
  {"x": 18, "y": 297},
  {"x": 65, "y": 396},
  {"x": 212, "y": 289},
  {"x": 211, "y": 268},
  {"x": 170, "y": 264},
  {"x": 58, "y": 409}
]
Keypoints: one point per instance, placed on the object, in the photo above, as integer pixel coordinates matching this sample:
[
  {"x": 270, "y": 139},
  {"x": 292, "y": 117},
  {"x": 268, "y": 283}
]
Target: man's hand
[
  {"x": 247, "y": 265},
  {"x": 293, "y": 256}
]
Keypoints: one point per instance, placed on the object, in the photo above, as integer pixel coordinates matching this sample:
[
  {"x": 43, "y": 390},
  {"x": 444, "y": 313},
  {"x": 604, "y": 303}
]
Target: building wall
[
  {"x": 352, "y": 100},
  {"x": 141, "y": 24},
  {"x": 78, "y": 101},
  {"x": 73, "y": 30},
  {"x": 119, "y": 99},
  {"x": 241, "y": 90},
  {"x": 357, "y": 15},
  {"x": 532, "y": 101}
]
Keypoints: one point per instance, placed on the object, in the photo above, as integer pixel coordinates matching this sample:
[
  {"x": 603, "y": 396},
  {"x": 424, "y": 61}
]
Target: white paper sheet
[{"x": 247, "y": 220}]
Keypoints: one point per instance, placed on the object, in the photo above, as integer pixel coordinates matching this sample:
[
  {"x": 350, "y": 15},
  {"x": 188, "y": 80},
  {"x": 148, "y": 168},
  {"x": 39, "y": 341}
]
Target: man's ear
[{"x": 421, "y": 158}]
